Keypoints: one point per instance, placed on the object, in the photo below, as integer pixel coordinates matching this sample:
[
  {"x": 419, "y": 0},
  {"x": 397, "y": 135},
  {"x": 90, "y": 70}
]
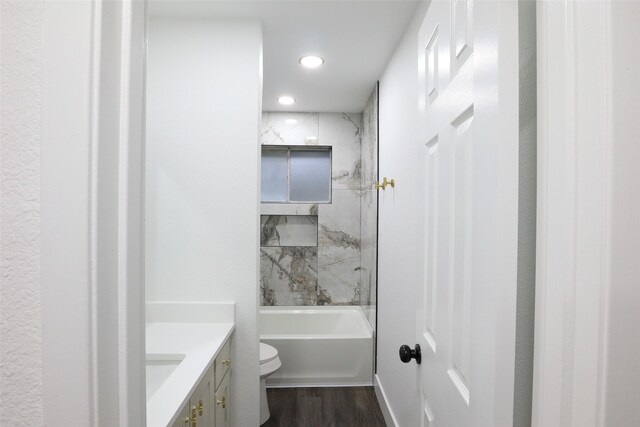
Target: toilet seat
[
  {"x": 269, "y": 360},
  {"x": 267, "y": 353}
]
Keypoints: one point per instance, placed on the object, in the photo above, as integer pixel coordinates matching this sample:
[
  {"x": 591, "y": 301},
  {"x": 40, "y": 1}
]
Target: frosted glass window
[
  {"x": 310, "y": 179},
  {"x": 275, "y": 176},
  {"x": 296, "y": 175}
]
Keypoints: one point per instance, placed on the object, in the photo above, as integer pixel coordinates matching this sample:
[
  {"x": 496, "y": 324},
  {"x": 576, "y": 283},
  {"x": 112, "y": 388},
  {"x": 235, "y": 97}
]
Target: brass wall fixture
[{"x": 385, "y": 182}]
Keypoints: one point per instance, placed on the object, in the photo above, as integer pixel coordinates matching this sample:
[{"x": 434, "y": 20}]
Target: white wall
[
  {"x": 623, "y": 340},
  {"x": 71, "y": 175},
  {"x": 20, "y": 295},
  {"x": 399, "y": 262},
  {"x": 202, "y": 200}
]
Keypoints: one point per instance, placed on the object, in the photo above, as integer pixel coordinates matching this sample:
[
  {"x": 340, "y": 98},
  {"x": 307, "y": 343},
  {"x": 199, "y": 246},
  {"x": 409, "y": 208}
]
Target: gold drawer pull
[
  {"x": 222, "y": 402},
  {"x": 200, "y": 408},
  {"x": 226, "y": 362},
  {"x": 187, "y": 420},
  {"x": 194, "y": 420}
]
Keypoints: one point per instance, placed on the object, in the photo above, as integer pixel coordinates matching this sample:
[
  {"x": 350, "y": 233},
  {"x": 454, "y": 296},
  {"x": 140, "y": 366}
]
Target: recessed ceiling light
[
  {"x": 286, "y": 100},
  {"x": 311, "y": 138},
  {"x": 291, "y": 121},
  {"x": 311, "y": 61}
]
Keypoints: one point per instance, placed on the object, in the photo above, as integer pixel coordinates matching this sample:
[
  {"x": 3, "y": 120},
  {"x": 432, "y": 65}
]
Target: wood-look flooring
[{"x": 324, "y": 407}]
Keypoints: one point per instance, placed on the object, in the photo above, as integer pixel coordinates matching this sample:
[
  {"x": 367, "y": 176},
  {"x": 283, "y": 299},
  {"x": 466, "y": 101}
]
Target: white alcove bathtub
[{"x": 319, "y": 346}]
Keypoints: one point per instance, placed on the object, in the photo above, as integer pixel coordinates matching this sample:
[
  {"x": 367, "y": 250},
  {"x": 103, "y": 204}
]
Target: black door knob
[{"x": 407, "y": 353}]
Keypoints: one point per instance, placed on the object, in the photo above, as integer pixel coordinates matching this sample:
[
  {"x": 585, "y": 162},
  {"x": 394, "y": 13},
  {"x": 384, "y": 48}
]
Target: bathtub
[{"x": 319, "y": 346}]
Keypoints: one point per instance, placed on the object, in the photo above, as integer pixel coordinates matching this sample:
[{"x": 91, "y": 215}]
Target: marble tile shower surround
[
  {"x": 328, "y": 274},
  {"x": 341, "y": 268}
]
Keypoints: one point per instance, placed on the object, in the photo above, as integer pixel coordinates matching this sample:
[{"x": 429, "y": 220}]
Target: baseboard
[{"x": 389, "y": 418}]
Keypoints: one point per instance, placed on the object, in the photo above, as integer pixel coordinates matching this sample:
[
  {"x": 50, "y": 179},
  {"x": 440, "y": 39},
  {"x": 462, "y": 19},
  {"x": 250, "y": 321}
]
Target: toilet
[{"x": 269, "y": 363}]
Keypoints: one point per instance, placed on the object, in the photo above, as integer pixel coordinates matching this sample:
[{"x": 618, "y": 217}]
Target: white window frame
[{"x": 289, "y": 149}]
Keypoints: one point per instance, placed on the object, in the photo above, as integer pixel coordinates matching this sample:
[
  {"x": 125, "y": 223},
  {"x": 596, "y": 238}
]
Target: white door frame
[
  {"x": 92, "y": 212},
  {"x": 573, "y": 146},
  {"x": 577, "y": 215}
]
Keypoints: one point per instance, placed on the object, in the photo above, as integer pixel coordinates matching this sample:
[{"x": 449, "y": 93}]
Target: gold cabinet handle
[
  {"x": 194, "y": 420},
  {"x": 222, "y": 402},
  {"x": 200, "y": 408},
  {"x": 187, "y": 420},
  {"x": 226, "y": 362}
]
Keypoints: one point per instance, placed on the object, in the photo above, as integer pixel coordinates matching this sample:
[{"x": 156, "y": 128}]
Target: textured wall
[
  {"x": 328, "y": 274},
  {"x": 20, "y": 308}
]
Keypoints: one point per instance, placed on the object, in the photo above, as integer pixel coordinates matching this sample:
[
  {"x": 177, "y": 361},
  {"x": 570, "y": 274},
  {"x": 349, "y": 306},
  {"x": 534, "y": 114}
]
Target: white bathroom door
[{"x": 468, "y": 72}]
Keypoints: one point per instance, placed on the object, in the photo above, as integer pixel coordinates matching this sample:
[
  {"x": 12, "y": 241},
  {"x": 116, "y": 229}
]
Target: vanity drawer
[
  {"x": 222, "y": 403},
  {"x": 223, "y": 363}
]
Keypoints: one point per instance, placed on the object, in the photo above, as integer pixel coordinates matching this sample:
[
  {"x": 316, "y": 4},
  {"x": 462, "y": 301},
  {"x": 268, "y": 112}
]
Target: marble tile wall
[
  {"x": 339, "y": 248},
  {"x": 289, "y": 275},
  {"x": 330, "y": 275},
  {"x": 275, "y": 131},
  {"x": 369, "y": 207}
]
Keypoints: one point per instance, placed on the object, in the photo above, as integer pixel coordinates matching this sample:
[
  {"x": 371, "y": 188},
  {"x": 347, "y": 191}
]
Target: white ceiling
[{"x": 356, "y": 39}]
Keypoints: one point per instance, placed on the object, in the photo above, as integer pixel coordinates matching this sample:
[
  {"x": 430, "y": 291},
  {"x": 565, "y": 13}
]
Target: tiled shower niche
[{"x": 288, "y": 230}]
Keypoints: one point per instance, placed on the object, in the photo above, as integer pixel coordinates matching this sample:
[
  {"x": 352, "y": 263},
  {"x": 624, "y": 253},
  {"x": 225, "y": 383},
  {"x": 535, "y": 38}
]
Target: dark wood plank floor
[{"x": 324, "y": 407}]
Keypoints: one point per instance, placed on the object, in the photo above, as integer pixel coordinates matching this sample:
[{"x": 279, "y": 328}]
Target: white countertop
[{"x": 199, "y": 343}]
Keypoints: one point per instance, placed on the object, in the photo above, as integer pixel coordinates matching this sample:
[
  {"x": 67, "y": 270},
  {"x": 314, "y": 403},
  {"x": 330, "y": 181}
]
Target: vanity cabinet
[
  {"x": 222, "y": 403},
  {"x": 208, "y": 405},
  {"x": 199, "y": 411},
  {"x": 223, "y": 362},
  {"x": 222, "y": 381},
  {"x": 202, "y": 404}
]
